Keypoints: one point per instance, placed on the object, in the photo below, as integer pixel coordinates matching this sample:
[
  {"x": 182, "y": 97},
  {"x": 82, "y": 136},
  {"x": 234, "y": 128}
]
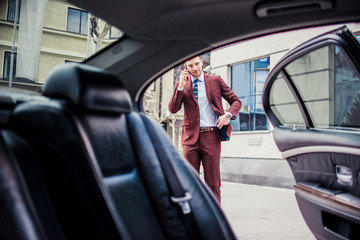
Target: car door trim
[
  {"x": 323, "y": 197},
  {"x": 313, "y": 149}
]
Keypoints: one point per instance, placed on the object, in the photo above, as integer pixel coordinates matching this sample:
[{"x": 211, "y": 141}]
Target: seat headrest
[{"x": 88, "y": 87}]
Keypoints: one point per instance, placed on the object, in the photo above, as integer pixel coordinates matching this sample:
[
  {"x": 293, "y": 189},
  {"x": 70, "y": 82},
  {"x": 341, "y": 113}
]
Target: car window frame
[{"x": 341, "y": 37}]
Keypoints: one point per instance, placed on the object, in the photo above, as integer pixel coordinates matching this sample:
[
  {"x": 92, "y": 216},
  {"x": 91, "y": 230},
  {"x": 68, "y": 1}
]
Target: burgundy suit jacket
[{"x": 216, "y": 88}]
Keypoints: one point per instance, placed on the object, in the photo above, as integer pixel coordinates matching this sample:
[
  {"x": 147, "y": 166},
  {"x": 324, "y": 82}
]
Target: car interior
[{"x": 83, "y": 161}]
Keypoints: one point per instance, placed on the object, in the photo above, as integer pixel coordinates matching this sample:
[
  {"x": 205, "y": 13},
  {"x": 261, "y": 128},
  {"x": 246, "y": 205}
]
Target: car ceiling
[{"x": 163, "y": 33}]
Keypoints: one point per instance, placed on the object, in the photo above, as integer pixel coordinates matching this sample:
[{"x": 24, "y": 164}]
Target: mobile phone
[{"x": 187, "y": 78}]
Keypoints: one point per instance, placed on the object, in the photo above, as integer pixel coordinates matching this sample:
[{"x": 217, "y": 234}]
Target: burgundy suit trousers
[{"x": 207, "y": 150}]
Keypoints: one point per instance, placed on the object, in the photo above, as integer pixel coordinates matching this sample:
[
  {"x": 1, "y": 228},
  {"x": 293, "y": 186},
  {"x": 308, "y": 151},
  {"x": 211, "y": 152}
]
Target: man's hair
[{"x": 199, "y": 56}]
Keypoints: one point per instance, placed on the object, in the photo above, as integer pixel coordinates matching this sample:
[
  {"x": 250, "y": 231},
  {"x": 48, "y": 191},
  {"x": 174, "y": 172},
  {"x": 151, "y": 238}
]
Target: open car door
[{"x": 312, "y": 98}]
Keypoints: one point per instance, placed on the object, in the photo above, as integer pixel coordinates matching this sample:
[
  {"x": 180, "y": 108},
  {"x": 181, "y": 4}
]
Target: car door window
[
  {"x": 328, "y": 84},
  {"x": 283, "y": 104}
]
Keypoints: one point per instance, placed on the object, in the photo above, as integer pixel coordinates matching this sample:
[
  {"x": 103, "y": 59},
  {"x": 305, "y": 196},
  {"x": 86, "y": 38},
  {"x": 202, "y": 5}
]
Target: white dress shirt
[{"x": 208, "y": 117}]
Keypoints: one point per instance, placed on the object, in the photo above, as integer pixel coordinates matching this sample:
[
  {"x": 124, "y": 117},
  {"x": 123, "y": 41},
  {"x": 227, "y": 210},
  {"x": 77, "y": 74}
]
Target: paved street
[{"x": 258, "y": 212}]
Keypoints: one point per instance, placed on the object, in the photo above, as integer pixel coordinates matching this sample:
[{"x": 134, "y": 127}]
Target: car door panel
[
  {"x": 289, "y": 138},
  {"x": 327, "y": 213},
  {"x": 330, "y": 206},
  {"x": 310, "y": 97}
]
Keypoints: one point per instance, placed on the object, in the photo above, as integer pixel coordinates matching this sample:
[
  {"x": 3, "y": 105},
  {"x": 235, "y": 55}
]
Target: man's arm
[
  {"x": 176, "y": 100},
  {"x": 231, "y": 98},
  {"x": 235, "y": 105}
]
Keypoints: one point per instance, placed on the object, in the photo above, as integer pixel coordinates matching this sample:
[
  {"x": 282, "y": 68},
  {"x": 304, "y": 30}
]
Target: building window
[
  {"x": 247, "y": 81},
  {"x": 77, "y": 21},
  {"x": 11, "y": 10},
  {"x": 6, "y": 68},
  {"x": 115, "y": 33}
]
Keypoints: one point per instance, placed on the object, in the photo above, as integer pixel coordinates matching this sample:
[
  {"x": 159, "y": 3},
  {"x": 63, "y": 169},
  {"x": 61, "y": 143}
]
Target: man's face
[{"x": 194, "y": 66}]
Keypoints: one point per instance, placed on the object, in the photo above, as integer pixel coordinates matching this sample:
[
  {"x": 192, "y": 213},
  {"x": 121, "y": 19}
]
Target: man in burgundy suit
[{"x": 205, "y": 122}]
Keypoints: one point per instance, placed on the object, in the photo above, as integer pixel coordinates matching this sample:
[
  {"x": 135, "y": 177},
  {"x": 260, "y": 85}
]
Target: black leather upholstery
[
  {"x": 80, "y": 201},
  {"x": 110, "y": 140},
  {"x": 19, "y": 218},
  {"x": 87, "y": 87},
  {"x": 23, "y": 157},
  {"x": 7, "y": 104},
  {"x": 99, "y": 151}
]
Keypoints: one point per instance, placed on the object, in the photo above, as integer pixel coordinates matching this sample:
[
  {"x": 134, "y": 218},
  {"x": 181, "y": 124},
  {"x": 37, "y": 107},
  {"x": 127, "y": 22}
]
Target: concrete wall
[{"x": 56, "y": 15}]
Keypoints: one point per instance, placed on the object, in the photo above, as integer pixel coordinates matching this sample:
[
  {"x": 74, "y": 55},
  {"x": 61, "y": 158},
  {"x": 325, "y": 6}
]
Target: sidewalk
[{"x": 258, "y": 212}]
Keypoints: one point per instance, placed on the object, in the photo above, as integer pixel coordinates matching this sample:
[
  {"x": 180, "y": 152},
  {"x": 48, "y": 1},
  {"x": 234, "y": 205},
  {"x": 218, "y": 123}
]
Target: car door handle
[{"x": 344, "y": 175}]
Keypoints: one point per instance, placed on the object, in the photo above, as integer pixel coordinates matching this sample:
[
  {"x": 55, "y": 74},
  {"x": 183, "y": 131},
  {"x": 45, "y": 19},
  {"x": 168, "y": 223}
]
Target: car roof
[
  {"x": 216, "y": 21},
  {"x": 161, "y": 34}
]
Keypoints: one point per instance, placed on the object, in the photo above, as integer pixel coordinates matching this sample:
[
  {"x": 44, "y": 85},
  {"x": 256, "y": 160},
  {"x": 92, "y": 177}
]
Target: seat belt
[{"x": 179, "y": 195}]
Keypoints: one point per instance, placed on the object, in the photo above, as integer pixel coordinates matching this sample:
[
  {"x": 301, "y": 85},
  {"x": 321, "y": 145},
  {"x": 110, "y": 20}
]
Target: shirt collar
[{"x": 201, "y": 78}]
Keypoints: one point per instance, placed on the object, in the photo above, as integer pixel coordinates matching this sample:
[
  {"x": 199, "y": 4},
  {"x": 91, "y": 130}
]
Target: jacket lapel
[
  {"x": 209, "y": 93},
  {"x": 207, "y": 88},
  {"x": 189, "y": 90}
]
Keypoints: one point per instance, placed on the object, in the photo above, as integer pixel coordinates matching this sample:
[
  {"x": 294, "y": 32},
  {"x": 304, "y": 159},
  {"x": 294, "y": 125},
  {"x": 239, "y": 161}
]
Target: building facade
[{"x": 68, "y": 34}]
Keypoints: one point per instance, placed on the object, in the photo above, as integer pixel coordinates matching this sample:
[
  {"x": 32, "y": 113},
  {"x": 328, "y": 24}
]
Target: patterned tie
[{"x": 196, "y": 88}]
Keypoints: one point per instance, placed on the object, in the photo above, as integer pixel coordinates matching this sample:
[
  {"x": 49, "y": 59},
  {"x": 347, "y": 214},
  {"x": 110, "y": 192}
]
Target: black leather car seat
[
  {"x": 102, "y": 147},
  {"x": 77, "y": 193},
  {"x": 25, "y": 212}
]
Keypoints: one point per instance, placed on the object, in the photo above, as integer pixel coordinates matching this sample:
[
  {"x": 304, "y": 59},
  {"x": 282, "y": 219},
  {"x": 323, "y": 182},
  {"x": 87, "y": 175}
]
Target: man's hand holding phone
[{"x": 184, "y": 77}]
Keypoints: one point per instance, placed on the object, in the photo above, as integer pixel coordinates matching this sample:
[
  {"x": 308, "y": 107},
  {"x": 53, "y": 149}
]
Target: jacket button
[{"x": 197, "y": 119}]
